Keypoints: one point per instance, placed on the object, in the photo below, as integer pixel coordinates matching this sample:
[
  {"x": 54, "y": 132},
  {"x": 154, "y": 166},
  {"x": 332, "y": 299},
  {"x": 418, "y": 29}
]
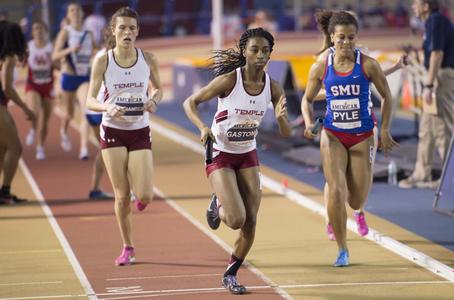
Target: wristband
[{"x": 429, "y": 86}]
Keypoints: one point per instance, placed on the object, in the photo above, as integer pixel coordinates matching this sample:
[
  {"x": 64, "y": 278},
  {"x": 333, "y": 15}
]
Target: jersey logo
[{"x": 345, "y": 90}]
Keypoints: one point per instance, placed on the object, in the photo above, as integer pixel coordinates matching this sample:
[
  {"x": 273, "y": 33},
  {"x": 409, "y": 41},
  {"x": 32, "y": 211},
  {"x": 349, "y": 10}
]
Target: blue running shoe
[
  {"x": 342, "y": 259},
  {"x": 100, "y": 195},
  {"x": 213, "y": 213},
  {"x": 230, "y": 282}
]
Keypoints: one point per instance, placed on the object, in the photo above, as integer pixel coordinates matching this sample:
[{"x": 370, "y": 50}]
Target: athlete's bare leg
[
  {"x": 33, "y": 100},
  {"x": 359, "y": 172},
  {"x": 82, "y": 93},
  {"x": 43, "y": 121},
  {"x": 140, "y": 169},
  {"x": 116, "y": 162},
  {"x": 335, "y": 160},
  {"x": 224, "y": 183},
  {"x": 98, "y": 166},
  {"x": 10, "y": 140},
  {"x": 249, "y": 185},
  {"x": 68, "y": 109}
]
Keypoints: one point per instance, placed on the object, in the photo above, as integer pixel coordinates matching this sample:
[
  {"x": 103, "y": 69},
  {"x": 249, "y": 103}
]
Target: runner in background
[
  {"x": 74, "y": 47},
  {"x": 13, "y": 49},
  {"x": 39, "y": 85},
  {"x": 94, "y": 118}
]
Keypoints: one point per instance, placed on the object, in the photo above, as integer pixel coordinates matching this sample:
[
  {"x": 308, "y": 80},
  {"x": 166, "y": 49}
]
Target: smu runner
[{"x": 347, "y": 141}]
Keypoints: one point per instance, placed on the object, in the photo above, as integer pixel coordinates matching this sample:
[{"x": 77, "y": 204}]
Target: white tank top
[
  {"x": 238, "y": 117},
  {"x": 79, "y": 60},
  {"x": 39, "y": 63},
  {"x": 127, "y": 87}
]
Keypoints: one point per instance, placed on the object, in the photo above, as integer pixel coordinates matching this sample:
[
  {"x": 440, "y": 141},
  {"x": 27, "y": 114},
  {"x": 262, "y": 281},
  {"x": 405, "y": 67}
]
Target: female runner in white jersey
[
  {"x": 244, "y": 91},
  {"x": 125, "y": 133},
  {"x": 347, "y": 140},
  {"x": 74, "y": 46},
  {"x": 39, "y": 85}
]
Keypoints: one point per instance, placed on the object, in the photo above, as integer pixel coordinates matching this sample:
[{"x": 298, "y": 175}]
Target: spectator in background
[
  {"x": 96, "y": 22},
  {"x": 435, "y": 130},
  {"x": 263, "y": 20}
]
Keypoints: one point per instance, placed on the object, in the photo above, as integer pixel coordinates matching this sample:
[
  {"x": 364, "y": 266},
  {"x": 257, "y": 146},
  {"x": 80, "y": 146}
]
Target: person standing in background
[{"x": 435, "y": 130}]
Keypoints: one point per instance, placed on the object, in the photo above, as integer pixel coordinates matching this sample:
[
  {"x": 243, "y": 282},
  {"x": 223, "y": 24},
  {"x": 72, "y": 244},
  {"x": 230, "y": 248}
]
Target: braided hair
[
  {"x": 12, "y": 41},
  {"x": 225, "y": 61}
]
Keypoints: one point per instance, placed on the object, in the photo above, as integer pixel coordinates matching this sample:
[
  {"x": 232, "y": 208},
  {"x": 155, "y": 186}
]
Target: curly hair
[
  {"x": 12, "y": 41},
  {"x": 225, "y": 61}
]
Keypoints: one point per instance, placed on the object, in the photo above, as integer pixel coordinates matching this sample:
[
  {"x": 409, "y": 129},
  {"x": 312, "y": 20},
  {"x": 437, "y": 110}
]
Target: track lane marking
[{"x": 58, "y": 233}]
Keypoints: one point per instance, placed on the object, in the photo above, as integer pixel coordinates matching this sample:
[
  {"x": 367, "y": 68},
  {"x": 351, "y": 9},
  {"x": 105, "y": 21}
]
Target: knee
[
  {"x": 235, "y": 221},
  {"x": 336, "y": 194},
  {"x": 145, "y": 196},
  {"x": 250, "y": 224},
  {"x": 122, "y": 202}
]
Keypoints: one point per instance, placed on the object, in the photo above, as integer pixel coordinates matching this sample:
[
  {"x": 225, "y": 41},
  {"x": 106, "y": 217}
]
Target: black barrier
[{"x": 444, "y": 197}]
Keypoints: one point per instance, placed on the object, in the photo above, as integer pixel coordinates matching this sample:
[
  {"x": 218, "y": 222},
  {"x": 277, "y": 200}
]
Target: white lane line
[
  {"x": 389, "y": 243},
  {"x": 221, "y": 243},
  {"x": 59, "y": 233},
  {"x": 169, "y": 292},
  {"x": 31, "y": 283},
  {"x": 163, "y": 276}
]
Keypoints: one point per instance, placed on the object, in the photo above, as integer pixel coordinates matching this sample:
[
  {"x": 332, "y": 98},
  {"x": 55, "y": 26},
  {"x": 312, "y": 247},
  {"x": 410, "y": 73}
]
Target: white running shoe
[
  {"x": 83, "y": 154},
  {"x": 40, "y": 154},
  {"x": 30, "y": 139},
  {"x": 65, "y": 141}
]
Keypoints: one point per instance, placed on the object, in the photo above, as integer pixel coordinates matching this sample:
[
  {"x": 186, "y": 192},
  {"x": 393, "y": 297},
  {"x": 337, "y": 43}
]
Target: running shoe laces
[
  {"x": 127, "y": 257},
  {"x": 361, "y": 224},
  {"x": 230, "y": 282},
  {"x": 342, "y": 258},
  {"x": 213, "y": 213}
]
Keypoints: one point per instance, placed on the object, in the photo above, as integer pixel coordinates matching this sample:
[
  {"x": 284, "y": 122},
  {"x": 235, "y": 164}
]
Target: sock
[
  {"x": 234, "y": 265},
  {"x": 5, "y": 190}
]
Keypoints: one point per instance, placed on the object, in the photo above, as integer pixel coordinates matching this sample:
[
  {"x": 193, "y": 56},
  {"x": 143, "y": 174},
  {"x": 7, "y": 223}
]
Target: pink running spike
[
  {"x": 330, "y": 231},
  {"x": 127, "y": 256},
  {"x": 361, "y": 224},
  {"x": 140, "y": 206}
]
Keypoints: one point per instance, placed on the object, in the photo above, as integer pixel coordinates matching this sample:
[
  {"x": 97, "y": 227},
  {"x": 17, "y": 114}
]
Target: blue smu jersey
[{"x": 348, "y": 98}]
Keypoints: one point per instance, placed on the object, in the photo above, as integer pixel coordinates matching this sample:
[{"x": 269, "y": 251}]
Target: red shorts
[
  {"x": 44, "y": 90},
  {"x": 350, "y": 139},
  {"x": 232, "y": 161},
  {"x": 137, "y": 139}
]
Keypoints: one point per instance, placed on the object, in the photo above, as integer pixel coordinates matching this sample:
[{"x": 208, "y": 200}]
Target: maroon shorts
[
  {"x": 44, "y": 90},
  {"x": 350, "y": 139},
  {"x": 232, "y": 161},
  {"x": 136, "y": 139}
]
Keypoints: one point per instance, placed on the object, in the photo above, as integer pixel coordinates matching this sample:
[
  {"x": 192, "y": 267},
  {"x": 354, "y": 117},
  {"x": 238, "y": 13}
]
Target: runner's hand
[
  {"x": 281, "y": 108},
  {"x": 30, "y": 115},
  {"x": 386, "y": 142},
  {"x": 308, "y": 131},
  {"x": 115, "y": 111},
  {"x": 150, "y": 106},
  {"x": 205, "y": 133}
]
